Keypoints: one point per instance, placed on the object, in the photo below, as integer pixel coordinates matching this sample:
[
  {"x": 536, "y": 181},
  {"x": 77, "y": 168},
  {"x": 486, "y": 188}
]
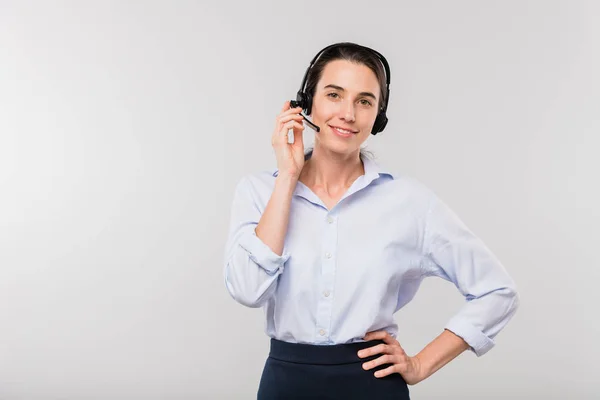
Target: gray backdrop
[{"x": 125, "y": 126}]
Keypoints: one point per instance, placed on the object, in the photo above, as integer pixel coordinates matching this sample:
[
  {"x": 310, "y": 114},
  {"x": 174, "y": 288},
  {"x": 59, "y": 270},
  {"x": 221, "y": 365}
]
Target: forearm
[
  {"x": 443, "y": 349},
  {"x": 273, "y": 224}
]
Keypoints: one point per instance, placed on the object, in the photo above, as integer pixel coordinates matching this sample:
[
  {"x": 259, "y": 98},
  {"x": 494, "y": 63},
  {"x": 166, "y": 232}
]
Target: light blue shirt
[{"x": 346, "y": 271}]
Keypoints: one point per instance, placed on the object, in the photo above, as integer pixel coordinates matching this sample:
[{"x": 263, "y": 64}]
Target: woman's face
[{"x": 345, "y": 106}]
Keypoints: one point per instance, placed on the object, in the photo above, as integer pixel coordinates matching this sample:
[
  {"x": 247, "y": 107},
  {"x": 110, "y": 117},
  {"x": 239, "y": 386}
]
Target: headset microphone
[{"x": 294, "y": 104}]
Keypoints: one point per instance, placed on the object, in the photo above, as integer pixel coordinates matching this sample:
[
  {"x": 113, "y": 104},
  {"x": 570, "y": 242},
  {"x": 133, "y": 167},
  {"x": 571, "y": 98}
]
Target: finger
[
  {"x": 298, "y": 138},
  {"x": 290, "y": 125},
  {"x": 289, "y": 117},
  {"x": 385, "y": 359},
  {"x": 381, "y": 335},
  {"x": 298, "y": 134},
  {"x": 286, "y": 105},
  {"x": 385, "y": 372},
  {"x": 380, "y": 348},
  {"x": 285, "y": 112},
  {"x": 286, "y": 115},
  {"x": 281, "y": 135},
  {"x": 378, "y": 334}
]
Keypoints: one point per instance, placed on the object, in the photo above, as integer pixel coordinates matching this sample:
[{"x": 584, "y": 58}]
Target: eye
[
  {"x": 366, "y": 102},
  {"x": 333, "y": 95}
]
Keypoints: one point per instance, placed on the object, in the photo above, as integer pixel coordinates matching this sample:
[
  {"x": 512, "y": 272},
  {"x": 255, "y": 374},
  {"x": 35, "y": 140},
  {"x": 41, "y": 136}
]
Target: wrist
[
  {"x": 287, "y": 178},
  {"x": 423, "y": 368},
  {"x": 286, "y": 182}
]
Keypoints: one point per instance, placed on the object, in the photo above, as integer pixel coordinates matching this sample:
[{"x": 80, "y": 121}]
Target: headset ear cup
[
  {"x": 305, "y": 101},
  {"x": 379, "y": 124},
  {"x": 308, "y": 104},
  {"x": 300, "y": 99}
]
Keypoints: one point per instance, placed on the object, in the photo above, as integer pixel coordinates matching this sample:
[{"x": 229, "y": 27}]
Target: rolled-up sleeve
[
  {"x": 251, "y": 267},
  {"x": 454, "y": 253}
]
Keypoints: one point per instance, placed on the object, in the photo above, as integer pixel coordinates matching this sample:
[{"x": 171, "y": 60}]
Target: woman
[{"x": 331, "y": 245}]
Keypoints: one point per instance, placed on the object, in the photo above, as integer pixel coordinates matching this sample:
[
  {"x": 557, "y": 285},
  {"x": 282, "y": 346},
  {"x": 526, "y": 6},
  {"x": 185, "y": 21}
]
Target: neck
[{"x": 332, "y": 172}]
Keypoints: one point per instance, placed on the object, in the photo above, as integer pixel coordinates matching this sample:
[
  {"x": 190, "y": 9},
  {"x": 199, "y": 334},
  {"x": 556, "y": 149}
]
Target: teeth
[{"x": 343, "y": 130}]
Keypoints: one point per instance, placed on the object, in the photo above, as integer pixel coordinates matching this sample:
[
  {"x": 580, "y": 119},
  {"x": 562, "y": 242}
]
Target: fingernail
[{"x": 360, "y": 353}]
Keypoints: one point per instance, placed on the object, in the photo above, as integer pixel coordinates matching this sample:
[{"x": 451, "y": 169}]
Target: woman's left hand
[{"x": 408, "y": 367}]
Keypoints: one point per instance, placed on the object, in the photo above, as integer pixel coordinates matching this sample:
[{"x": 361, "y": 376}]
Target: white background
[{"x": 124, "y": 127}]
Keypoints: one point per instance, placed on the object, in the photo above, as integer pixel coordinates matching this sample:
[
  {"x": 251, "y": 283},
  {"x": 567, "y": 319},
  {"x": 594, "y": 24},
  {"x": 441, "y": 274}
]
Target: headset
[{"x": 305, "y": 100}]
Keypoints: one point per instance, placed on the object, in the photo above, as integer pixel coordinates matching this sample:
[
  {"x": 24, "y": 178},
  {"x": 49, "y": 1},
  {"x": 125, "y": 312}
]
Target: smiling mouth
[{"x": 342, "y": 132}]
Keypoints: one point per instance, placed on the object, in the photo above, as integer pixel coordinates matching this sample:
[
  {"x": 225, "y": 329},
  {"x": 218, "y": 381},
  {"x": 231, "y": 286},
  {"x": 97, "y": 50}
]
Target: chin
[{"x": 339, "y": 147}]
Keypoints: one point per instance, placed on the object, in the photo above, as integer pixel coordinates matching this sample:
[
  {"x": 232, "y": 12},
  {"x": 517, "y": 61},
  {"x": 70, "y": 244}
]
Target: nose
[{"x": 347, "y": 111}]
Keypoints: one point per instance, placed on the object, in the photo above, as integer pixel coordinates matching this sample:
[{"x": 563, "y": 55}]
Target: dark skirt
[{"x": 304, "y": 371}]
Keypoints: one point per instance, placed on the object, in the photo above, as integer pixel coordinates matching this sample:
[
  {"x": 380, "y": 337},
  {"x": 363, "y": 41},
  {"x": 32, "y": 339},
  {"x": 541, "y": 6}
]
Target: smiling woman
[{"x": 331, "y": 245}]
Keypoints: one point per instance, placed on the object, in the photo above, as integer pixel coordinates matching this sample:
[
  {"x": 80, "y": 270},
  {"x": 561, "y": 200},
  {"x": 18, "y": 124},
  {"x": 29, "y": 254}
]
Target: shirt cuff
[
  {"x": 262, "y": 254},
  {"x": 477, "y": 340}
]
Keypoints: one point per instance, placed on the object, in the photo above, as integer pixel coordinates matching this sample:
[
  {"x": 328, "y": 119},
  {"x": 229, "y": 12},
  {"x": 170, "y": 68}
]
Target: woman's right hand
[{"x": 290, "y": 156}]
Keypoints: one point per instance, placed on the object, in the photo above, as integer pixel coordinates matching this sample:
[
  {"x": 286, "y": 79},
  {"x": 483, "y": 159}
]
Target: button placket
[{"x": 324, "y": 307}]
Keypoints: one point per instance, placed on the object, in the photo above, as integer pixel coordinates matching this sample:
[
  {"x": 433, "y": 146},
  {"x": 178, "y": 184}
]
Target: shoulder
[
  {"x": 256, "y": 183},
  {"x": 424, "y": 201},
  {"x": 404, "y": 185},
  {"x": 392, "y": 179}
]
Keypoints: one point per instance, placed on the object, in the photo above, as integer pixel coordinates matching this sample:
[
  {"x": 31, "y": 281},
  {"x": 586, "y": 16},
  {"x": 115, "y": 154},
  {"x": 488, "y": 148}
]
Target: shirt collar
[{"x": 373, "y": 169}]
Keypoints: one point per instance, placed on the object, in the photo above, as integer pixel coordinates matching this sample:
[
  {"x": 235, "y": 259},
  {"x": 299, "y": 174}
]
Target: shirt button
[
  {"x": 328, "y": 255},
  {"x": 330, "y": 219},
  {"x": 326, "y": 293},
  {"x": 322, "y": 332}
]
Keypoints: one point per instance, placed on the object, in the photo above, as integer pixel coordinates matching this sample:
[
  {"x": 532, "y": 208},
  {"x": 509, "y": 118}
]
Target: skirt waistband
[{"x": 320, "y": 354}]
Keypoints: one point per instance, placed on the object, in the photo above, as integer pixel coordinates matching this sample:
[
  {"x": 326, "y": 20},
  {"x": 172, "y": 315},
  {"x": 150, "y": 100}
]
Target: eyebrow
[{"x": 367, "y": 94}]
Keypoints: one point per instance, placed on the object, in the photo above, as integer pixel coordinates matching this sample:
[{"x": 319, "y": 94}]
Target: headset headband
[{"x": 380, "y": 56}]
